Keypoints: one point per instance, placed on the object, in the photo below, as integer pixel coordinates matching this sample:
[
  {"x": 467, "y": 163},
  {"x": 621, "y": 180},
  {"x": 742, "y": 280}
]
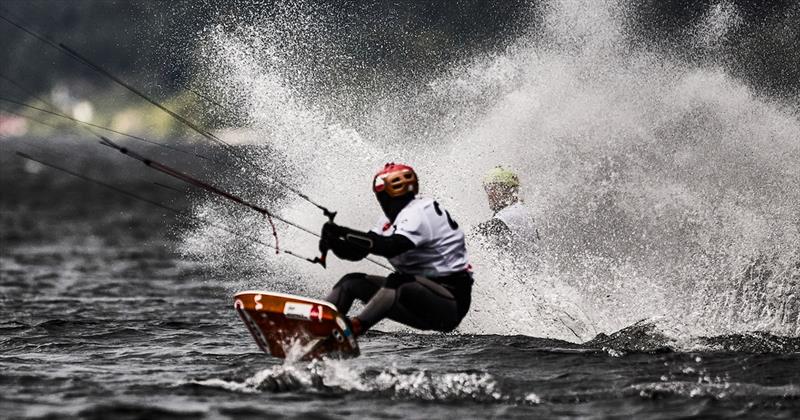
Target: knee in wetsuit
[
  {"x": 351, "y": 287},
  {"x": 349, "y": 279},
  {"x": 383, "y": 300},
  {"x": 397, "y": 279}
]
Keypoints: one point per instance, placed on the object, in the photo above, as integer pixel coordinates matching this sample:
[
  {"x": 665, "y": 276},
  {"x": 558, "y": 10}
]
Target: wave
[
  {"x": 685, "y": 368},
  {"x": 333, "y": 377},
  {"x": 647, "y": 337},
  {"x": 664, "y": 188}
]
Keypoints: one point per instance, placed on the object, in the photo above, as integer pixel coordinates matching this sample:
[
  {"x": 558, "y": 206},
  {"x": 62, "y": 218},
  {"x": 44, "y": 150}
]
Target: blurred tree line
[{"x": 151, "y": 43}]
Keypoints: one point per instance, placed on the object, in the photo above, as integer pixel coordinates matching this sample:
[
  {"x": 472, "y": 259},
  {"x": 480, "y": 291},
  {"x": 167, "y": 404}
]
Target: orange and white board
[{"x": 296, "y": 327}]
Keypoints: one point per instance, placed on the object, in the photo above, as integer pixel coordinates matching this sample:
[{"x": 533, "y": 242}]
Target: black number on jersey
[{"x": 450, "y": 220}]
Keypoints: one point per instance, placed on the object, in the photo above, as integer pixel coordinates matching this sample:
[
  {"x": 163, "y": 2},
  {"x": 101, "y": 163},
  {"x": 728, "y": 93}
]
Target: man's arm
[
  {"x": 350, "y": 244},
  {"x": 389, "y": 246}
]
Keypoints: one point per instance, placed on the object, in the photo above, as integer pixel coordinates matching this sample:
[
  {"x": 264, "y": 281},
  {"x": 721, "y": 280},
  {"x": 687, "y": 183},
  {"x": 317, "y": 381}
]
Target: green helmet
[{"x": 502, "y": 176}]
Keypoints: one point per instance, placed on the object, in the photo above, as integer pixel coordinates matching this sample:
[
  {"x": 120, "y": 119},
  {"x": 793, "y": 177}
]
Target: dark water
[
  {"x": 117, "y": 332},
  {"x": 101, "y": 319}
]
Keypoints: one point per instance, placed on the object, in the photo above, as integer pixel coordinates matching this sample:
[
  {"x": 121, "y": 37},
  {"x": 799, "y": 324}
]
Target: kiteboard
[{"x": 295, "y": 327}]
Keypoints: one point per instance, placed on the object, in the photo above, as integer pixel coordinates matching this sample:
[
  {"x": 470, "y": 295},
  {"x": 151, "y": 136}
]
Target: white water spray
[{"x": 664, "y": 190}]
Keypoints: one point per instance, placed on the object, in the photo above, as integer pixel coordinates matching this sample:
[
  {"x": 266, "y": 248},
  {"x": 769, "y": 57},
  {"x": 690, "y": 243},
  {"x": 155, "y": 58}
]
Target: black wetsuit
[{"x": 437, "y": 304}]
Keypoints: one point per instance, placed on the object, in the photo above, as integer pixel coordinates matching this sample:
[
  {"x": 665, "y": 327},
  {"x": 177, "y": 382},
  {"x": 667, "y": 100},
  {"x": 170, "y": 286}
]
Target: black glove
[
  {"x": 347, "y": 244},
  {"x": 330, "y": 231}
]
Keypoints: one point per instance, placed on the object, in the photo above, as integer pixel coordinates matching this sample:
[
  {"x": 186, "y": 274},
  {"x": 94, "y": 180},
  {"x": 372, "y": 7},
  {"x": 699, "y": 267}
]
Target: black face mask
[{"x": 392, "y": 206}]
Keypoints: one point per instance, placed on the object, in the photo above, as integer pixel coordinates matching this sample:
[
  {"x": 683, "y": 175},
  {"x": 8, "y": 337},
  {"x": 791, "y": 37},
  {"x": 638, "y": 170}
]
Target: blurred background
[
  {"x": 153, "y": 45},
  {"x": 656, "y": 140}
]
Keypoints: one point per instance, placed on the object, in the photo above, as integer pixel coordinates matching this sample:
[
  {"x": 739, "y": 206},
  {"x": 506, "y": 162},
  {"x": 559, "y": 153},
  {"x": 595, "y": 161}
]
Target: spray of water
[
  {"x": 403, "y": 384},
  {"x": 663, "y": 190}
]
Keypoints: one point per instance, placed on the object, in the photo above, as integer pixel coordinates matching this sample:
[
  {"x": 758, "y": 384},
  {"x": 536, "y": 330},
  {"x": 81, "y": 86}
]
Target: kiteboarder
[
  {"x": 431, "y": 286},
  {"x": 512, "y": 222}
]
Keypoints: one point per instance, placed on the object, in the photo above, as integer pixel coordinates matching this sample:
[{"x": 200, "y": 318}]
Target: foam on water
[
  {"x": 664, "y": 190},
  {"x": 332, "y": 375}
]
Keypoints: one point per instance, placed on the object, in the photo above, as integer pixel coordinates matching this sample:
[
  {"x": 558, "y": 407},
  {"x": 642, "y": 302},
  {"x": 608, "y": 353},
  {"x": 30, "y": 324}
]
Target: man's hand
[
  {"x": 346, "y": 243},
  {"x": 330, "y": 231}
]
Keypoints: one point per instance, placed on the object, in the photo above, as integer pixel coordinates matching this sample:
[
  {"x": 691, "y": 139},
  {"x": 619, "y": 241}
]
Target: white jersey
[
  {"x": 519, "y": 221},
  {"x": 439, "y": 242}
]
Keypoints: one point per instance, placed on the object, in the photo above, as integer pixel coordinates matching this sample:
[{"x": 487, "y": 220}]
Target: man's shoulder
[
  {"x": 417, "y": 206},
  {"x": 516, "y": 212},
  {"x": 421, "y": 202},
  {"x": 416, "y": 213}
]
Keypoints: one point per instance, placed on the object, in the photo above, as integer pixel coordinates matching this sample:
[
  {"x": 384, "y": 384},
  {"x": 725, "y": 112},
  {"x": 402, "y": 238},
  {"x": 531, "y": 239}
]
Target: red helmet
[{"x": 396, "y": 179}]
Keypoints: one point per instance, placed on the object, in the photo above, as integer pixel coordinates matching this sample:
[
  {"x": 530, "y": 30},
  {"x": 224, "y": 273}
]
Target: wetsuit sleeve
[
  {"x": 350, "y": 244},
  {"x": 389, "y": 246}
]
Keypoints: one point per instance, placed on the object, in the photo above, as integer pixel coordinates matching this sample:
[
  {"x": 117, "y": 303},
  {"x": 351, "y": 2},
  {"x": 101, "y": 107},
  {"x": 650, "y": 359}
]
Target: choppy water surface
[
  {"x": 94, "y": 331},
  {"x": 104, "y": 321},
  {"x": 666, "y": 190}
]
